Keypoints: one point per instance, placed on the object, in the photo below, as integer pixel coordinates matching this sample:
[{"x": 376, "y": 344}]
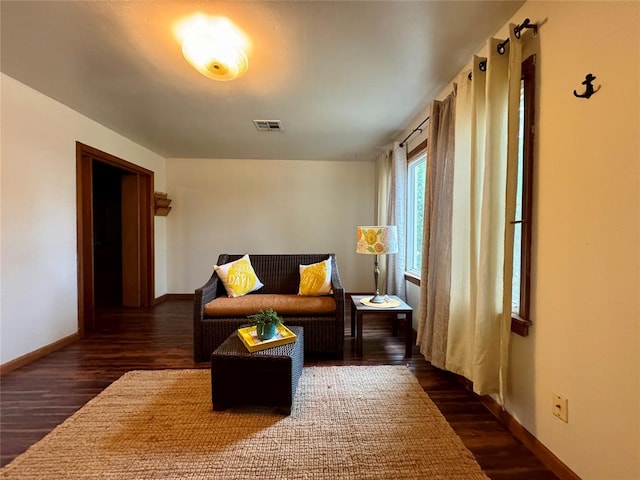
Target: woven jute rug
[{"x": 349, "y": 422}]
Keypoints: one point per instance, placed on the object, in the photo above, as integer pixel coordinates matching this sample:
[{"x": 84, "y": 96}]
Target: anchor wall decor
[{"x": 589, "y": 90}]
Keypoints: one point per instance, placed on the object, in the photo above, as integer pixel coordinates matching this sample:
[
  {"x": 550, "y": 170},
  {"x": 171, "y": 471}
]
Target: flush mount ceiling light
[{"x": 214, "y": 46}]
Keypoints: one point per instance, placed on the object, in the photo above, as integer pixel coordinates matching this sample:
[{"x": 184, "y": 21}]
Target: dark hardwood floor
[{"x": 39, "y": 396}]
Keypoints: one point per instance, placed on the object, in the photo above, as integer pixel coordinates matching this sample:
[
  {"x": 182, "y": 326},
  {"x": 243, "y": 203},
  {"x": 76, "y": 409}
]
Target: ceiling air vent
[{"x": 268, "y": 125}]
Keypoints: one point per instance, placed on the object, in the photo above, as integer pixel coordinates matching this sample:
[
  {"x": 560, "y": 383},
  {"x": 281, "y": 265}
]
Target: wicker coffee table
[{"x": 268, "y": 377}]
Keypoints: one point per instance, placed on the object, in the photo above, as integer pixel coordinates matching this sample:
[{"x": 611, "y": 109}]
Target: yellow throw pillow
[
  {"x": 238, "y": 277},
  {"x": 315, "y": 279}
]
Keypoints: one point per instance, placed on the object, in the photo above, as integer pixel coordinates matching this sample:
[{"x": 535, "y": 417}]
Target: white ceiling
[{"x": 346, "y": 78}]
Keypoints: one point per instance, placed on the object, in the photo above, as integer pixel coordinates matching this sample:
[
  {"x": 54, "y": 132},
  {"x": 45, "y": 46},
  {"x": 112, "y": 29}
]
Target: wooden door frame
[{"x": 85, "y": 155}]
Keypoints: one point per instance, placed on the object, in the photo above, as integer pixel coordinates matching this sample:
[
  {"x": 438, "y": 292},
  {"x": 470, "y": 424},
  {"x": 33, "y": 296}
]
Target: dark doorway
[
  {"x": 107, "y": 235},
  {"x": 115, "y": 234}
]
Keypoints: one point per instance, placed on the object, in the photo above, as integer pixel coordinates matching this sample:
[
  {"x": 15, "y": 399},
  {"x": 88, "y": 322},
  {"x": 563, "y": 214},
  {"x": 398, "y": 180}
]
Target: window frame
[
  {"x": 413, "y": 156},
  {"x": 520, "y": 320}
]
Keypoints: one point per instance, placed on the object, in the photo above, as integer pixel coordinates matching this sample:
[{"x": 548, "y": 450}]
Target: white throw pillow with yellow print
[
  {"x": 315, "y": 279},
  {"x": 238, "y": 277}
]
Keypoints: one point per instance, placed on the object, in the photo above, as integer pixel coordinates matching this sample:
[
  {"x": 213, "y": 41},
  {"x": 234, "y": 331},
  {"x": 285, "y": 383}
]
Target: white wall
[
  {"x": 38, "y": 220},
  {"x": 586, "y": 269},
  {"x": 585, "y": 340},
  {"x": 266, "y": 206}
]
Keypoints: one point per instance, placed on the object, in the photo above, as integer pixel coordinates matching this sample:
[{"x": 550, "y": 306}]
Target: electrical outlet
[{"x": 559, "y": 407}]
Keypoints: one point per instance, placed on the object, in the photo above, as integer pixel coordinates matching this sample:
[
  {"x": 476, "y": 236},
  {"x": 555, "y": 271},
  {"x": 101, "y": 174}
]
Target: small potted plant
[{"x": 266, "y": 322}]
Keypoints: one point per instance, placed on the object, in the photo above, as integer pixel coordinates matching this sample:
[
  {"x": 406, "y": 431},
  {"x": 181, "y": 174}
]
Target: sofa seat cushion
[{"x": 285, "y": 305}]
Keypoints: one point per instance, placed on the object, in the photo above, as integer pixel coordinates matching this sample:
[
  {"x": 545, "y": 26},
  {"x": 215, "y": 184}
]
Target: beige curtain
[
  {"x": 397, "y": 208},
  {"x": 392, "y": 210},
  {"x": 433, "y": 310},
  {"x": 486, "y": 141},
  {"x": 383, "y": 169},
  {"x": 383, "y": 172}
]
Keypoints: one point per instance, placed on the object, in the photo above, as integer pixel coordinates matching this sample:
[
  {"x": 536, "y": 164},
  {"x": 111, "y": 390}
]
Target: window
[
  {"x": 416, "y": 181},
  {"x": 521, "y": 281}
]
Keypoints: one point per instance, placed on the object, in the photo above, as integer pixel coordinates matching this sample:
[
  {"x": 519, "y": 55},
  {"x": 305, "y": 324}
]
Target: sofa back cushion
[{"x": 280, "y": 273}]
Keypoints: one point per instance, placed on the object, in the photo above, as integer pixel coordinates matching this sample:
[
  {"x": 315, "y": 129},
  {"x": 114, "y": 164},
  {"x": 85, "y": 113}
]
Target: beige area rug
[{"x": 349, "y": 422}]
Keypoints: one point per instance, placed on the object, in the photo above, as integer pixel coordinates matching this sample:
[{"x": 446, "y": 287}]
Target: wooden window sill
[
  {"x": 519, "y": 325},
  {"x": 411, "y": 278}
]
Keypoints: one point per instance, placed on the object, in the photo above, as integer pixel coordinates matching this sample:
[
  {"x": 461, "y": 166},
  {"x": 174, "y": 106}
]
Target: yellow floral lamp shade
[{"x": 377, "y": 240}]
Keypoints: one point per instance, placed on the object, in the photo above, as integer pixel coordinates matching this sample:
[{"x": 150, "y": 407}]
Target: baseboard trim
[
  {"x": 39, "y": 353},
  {"x": 543, "y": 454},
  {"x": 173, "y": 296}
]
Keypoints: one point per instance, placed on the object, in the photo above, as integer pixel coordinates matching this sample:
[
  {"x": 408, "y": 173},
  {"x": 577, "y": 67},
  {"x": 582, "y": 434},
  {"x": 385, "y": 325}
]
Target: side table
[
  {"x": 359, "y": 309},
  {"x": 266, "y": 377}
]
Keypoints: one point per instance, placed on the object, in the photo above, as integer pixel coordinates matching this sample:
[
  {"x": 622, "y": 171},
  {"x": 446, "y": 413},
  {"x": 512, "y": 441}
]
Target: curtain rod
[
  {"x": 517, "y": 31},
  {"x": 482, "y": 66},
  {"x": 414, "y": 131}
]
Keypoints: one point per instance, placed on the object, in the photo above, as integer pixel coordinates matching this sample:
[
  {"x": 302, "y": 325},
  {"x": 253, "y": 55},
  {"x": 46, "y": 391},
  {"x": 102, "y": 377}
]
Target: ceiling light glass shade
[
  {"x": 216, "y": 61},
  {"x": 215, "y": 47}
]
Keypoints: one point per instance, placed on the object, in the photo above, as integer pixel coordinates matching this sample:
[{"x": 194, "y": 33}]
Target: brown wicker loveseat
[{"x": 215, "y": 316}]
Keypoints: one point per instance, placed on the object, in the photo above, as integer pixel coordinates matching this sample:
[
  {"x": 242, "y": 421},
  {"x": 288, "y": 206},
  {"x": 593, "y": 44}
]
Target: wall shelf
[{"x": 161, "y": 204}]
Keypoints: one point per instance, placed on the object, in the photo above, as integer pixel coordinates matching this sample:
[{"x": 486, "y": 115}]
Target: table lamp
[{"x": 377, "y": 240}]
